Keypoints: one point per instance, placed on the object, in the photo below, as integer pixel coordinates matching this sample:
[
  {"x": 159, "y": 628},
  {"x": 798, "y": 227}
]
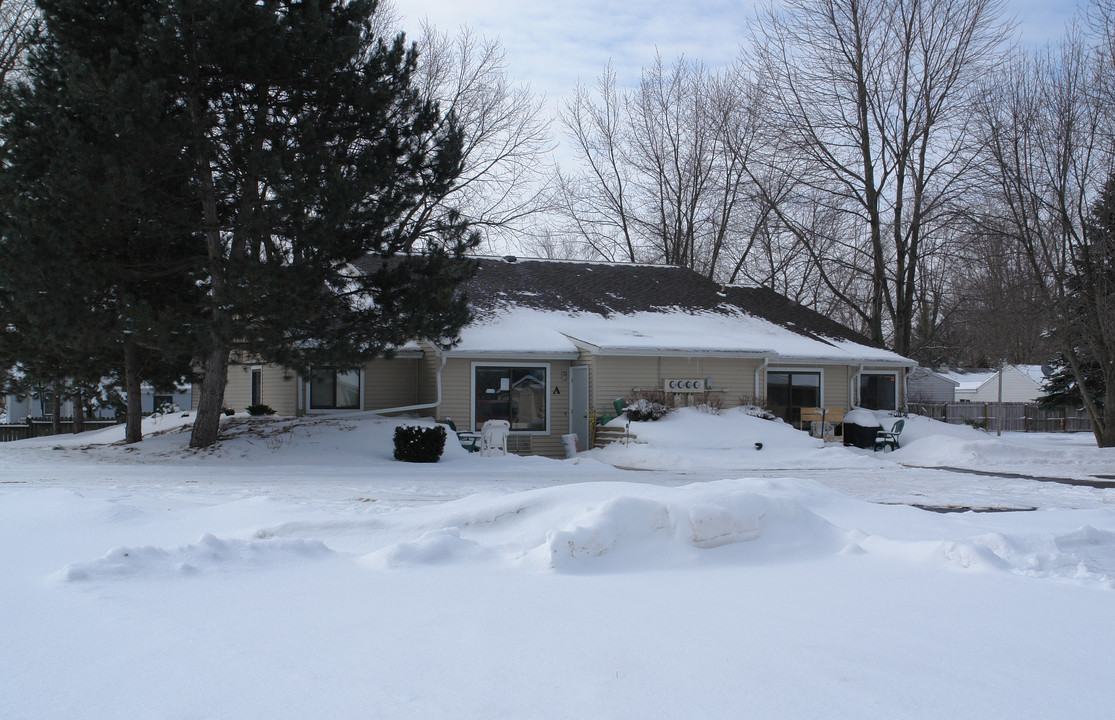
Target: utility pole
[{"x": 999, "y": 408}]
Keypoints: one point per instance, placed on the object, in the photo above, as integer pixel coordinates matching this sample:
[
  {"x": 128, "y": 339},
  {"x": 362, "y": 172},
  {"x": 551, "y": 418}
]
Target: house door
[
  {"x": 578, "y": 405},
  {"x": 788, "y": 392}
]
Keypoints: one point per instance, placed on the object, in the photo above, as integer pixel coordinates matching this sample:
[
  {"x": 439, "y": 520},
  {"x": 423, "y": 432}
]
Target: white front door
[{"x": 578, "y": 405}]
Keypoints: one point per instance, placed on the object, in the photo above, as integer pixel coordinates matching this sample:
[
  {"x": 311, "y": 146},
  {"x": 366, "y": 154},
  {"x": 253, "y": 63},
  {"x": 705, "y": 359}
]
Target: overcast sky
[{"x": 551, "y": 45}]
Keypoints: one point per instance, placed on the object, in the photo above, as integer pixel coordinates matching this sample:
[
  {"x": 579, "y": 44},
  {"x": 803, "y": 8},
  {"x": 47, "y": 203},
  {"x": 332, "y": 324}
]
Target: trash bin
[
  {"x": 569, "y": 443},
  {"x": 860, "y": 427}
]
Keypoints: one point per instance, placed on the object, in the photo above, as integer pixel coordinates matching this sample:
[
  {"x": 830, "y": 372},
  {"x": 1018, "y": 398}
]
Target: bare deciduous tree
[
  {"x": 664, "y": 168},
  {"x": 505, "y": 172},
  {"x": 16, "y": 18},
  {"x": 1049, "y": 128},
  {"x": 868, "y": 113}
]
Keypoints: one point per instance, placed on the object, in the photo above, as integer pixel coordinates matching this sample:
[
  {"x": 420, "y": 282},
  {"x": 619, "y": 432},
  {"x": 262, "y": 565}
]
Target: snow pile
[
  {"x": 631, "y": 532},
  {"x": 623, "y": 527},
  {"x": 932, "y": 443},
  {"x": 688, "y": 439},
  {"x": 1085, "y": 555},
  {"x": 207, "y": 554}
]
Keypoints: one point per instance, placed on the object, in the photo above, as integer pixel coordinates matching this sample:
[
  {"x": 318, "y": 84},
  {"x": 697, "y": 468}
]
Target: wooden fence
[
  {"x": 1017, "y": 417},
  {"x": 43, "y": 428}
]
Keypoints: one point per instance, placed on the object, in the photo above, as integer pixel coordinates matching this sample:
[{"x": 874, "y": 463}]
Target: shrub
[
  {"x": 228, "y": 411},
  {"x": 976, "y": 423},
  {"x": 642, "y": 410},
  {"x": 260, "y": 409},
  {"x": 419, "y": 443},
  {"x": 709, "y": 402},
  {"x": 756, "y": 408}
]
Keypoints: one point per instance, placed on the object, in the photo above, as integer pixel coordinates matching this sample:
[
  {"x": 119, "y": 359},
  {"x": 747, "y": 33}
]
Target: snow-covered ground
[{"x": 298, "y": 571}]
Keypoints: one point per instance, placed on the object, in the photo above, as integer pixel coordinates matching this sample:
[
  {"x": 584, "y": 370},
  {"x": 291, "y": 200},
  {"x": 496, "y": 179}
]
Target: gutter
[
  {"x": 423, "y": 406},
  {"x": 761, "y": 368},
  {"x": 852, "y": 386}
]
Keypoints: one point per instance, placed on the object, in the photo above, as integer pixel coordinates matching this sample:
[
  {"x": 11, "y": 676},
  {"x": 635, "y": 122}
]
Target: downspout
[
  {"x": 423, "y": 406},
  {"x": 905, "y": 389},
  {"x": 852, "y": 386},
  {"x": 758, "y": 370}
]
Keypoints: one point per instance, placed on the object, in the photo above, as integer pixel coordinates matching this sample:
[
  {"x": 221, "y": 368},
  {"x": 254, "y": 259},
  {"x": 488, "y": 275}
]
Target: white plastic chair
[{"x": 493, "y": 436}]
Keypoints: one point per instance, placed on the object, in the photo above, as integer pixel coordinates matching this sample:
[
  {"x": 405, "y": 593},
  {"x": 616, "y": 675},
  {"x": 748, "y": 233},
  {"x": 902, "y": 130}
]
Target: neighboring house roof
[
  {"x": 970, "y": 378},
  {"x": 558, "y": 308},
  {"x": 1034, "y": 372},
  {"x": 1022, "y": 383},
  {"x": 924, "y": 372}
]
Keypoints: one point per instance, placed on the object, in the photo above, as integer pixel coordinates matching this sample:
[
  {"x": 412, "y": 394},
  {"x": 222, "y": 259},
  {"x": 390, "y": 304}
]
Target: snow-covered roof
[
  {"x": 1034, "y": 372},
  {"x": 558, "y": 308},
  {"x": 969, "y": 379},
  {"x": 973, "y": 378}
]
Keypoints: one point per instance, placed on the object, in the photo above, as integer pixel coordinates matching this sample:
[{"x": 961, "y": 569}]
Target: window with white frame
[
  {"x": 516, "y": 393},
  {"x": 335, "y": 390}
]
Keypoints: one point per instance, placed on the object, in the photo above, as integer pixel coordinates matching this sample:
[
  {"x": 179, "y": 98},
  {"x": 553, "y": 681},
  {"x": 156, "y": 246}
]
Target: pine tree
[
  {"x": 1086, "y": 322},
  {"x": 97, "y": 244},
  {"x": 1061, "y": 389},
  {"x": 313, "y": 149},
  {"x": 249, "y": 151}
]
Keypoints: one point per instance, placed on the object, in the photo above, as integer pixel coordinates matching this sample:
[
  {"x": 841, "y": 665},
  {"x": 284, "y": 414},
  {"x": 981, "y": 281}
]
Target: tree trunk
[
  {"x": 1103, "y": 420},
  {"x": 79, "y": 412},
  {"x": 134, "y": 431},
  {"x": 207, "y": 424},
  {"x": 56, "y": 416}
]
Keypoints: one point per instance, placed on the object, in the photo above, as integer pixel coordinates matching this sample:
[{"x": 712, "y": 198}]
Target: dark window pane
[
  {"x": 493, "y": 395},
  {"x": 257, "y": 386},
  {"x": 348, "y": 389},
  {"x": 321, "y": 390},
  {"x": 805, "y": 390},
  {"x": 878, "y": 392},
  {"x": 778, "y": 389}
]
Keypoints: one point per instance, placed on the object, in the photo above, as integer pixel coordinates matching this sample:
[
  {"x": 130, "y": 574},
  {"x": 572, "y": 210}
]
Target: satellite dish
[{"x": 1047, "y": 370}]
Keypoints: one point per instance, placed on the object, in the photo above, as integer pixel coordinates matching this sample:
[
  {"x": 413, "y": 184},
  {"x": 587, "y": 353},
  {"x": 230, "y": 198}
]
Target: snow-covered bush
[
  {"x": 709, "y": 403},
  {"x": 642, "y": 410},
  {"x": 756, "y": 411},
  {"x": 167, "y": 408},
  {"x": 419, "y": 443}
]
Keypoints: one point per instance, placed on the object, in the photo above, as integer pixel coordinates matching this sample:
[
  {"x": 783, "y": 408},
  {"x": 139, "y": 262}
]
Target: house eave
[
  {"x": 503, "y": 354},
  {"x": 844, "y": 360}
]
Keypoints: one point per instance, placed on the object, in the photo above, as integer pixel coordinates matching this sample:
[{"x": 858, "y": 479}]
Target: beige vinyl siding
[
  {"x": 427, "y": 376},
  {"x": 733, "y": 379},
  {"x": 391, "y": 383},
  {"x": 280, "y": 389},
  {"x": 837, "y": 380},
  {"x": 455, "y": 393}
]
